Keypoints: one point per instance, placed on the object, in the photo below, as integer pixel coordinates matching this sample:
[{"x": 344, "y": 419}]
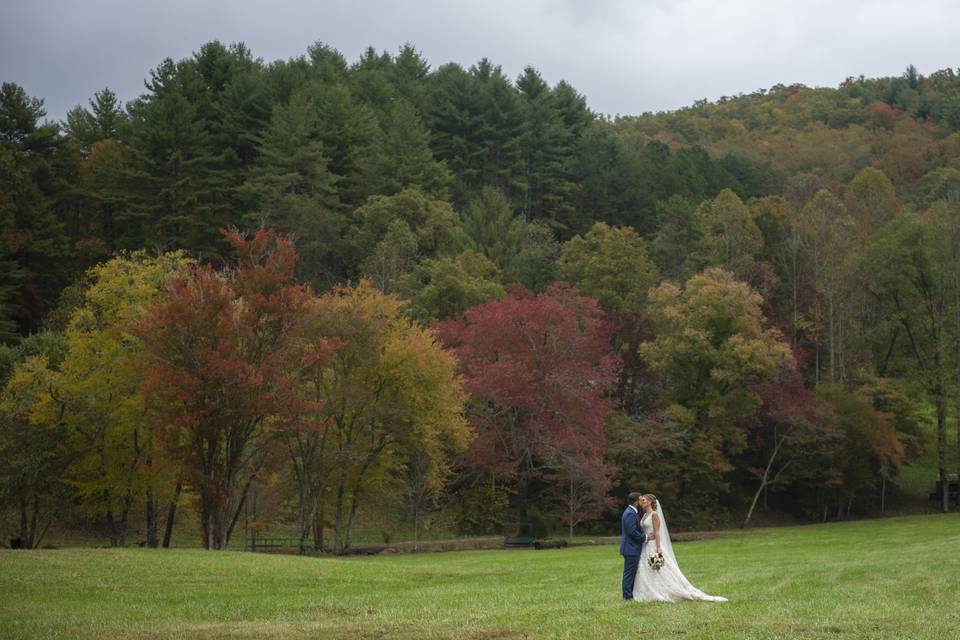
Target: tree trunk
[
  {"x": 171, "y": 512},
  {"x": 816, "y": 362},
  {"x": 753, "y": 505},
  {"x": 308, "y": 518},
  {"x": 113, "y": 530},
  {"x": 339, "y": 543},
  {"x": 34, "y": 517},
  {"x": 318, "y": 527},
  {"x": 831, "y": 338},
  {"x": 356, "y": 489},
  {"x": 152, "y": 536},
  {"x": 38, "y": 535},
  {"x": 222, "y": 513},
  {"x": 883, "y": 493},
  {"x": 794, "y": 286},
  {"x": 942, "y": 447},
  {"x": 26, "y": 542},
  {"x": 208, "y": 529},
  {"x": 940, "y": 365},
  {"x": 416, "y": 526},
  {"x": 236, "y": 514},
  {"x": 354, "y": 504},
  {"x": 763, "y": 481}
]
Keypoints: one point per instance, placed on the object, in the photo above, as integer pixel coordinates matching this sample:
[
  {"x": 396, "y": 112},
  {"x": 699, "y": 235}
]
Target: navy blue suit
[{"x": 631, "y": 541}]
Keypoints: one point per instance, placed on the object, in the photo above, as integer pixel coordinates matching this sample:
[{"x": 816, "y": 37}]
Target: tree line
[{"x": 471, "y": 294}]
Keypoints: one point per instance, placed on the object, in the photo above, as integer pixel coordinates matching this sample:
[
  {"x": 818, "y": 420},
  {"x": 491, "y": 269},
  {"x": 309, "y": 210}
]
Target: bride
[{"x": 668, "y": 584}]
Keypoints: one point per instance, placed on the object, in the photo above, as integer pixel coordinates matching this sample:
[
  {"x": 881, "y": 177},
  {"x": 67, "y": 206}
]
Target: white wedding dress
[{"x": 668, "y": 584}]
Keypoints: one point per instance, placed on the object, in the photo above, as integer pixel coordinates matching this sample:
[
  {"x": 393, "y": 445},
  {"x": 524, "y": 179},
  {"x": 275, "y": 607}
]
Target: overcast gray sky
[{"x": 625, "y": 56}]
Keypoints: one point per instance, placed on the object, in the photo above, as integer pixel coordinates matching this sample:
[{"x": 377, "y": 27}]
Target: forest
[{"x": 337, "y": 296}]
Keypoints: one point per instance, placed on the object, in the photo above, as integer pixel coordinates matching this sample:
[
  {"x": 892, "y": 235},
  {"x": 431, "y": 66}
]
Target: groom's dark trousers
[{"x": 631, "y": 542}]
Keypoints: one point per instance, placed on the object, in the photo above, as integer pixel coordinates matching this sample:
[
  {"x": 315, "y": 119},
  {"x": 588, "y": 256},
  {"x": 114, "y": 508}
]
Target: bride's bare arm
[{"x": 656, "y": 530}]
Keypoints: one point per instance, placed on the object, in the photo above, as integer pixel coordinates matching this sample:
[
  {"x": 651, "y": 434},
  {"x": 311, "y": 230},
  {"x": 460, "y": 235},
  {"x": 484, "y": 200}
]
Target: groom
[{"x": 631, "y": 541}]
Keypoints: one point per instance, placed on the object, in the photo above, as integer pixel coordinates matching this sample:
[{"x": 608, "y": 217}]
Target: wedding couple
[{"x": 643, "y": 537}]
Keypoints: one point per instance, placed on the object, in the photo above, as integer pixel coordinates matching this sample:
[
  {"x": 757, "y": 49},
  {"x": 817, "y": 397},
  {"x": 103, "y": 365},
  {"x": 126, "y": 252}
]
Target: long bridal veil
[{"x": 676, "y": 585}]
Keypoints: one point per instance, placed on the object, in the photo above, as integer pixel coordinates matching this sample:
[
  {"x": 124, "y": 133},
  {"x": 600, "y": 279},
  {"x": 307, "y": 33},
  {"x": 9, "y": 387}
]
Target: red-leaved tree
[
  {"x": 791, "y": 420},
  {"x": 538, "y": 369},
  {"x": 219, "y": 351}
]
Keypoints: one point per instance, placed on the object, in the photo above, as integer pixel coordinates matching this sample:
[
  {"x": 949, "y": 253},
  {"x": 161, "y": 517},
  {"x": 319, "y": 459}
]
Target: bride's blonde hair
[{"x": 653, "y": 500}]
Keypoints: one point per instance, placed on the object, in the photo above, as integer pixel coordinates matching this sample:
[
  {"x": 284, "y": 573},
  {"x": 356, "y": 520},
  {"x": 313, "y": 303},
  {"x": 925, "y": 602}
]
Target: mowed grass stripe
[{"x": 894, "y": 578}]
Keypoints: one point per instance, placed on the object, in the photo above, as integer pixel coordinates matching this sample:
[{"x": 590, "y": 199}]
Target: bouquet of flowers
[{"x": 656, "y": 562}]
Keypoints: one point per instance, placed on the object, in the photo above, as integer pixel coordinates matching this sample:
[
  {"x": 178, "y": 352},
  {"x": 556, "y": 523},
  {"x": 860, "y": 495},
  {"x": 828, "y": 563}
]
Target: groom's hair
[{"x": 633, "y": 497}]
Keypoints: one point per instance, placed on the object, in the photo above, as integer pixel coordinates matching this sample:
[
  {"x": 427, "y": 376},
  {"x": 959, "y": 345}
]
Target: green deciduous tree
[
  {"x": 940, "y": 184},
  {"x": 870, "y": 445},
  {"x": 393, "y": 258},
  {"x": 728, "y": 235},
  {"x": 712, "y": 344},
  {"x": 830, "y": 233},
  {"x": 913, "y": 283},
  {"x": 32, "y": 477},
  {"x": 609, "y": 264},
  {"x": 433, "y": 222},
  {"x": 445, "y": 287},
  {"x": 871, "y": 200},
  {"x": 676, "y": 237},
  {"x": 534, "y": 266}
]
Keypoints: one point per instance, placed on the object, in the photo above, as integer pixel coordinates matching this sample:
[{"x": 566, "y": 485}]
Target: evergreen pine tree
[
  {"x": 405, "y": 159},
  {"x": 35, "y": 253},
  {"x": 177, "y": 195},
  {"x": 292, "y": 190}
]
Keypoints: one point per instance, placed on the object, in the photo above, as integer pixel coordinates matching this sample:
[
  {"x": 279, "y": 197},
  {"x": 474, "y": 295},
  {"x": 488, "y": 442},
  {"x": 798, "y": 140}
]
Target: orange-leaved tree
[{"x": 220, "y": 349}]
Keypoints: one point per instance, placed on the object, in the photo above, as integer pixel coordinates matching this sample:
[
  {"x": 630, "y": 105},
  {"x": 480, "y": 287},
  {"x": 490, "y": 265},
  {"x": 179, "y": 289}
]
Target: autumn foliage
[
  {"x": 218, "y": 349},
  {"x": 245, "y": 370},
  {"x": 538, "y": 369},
  {"x": 783, "y": 268}
]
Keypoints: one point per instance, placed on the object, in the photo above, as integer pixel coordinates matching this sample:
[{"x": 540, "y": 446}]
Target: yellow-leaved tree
[
  {"x": 96, "y": 397},
  {"x": 393, "y": 405}
]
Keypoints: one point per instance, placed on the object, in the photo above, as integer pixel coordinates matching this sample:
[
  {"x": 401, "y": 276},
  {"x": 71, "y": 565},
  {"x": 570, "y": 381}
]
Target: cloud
[{"x": 625, "y": 56}]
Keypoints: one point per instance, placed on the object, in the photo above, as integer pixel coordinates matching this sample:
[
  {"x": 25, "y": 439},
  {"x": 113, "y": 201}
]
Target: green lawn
[{"x": 894, "y": 578}]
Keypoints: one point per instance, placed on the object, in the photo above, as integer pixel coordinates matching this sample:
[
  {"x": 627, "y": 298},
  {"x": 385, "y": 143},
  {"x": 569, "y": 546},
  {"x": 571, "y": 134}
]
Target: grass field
[{"x": 893, "y": 578}]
